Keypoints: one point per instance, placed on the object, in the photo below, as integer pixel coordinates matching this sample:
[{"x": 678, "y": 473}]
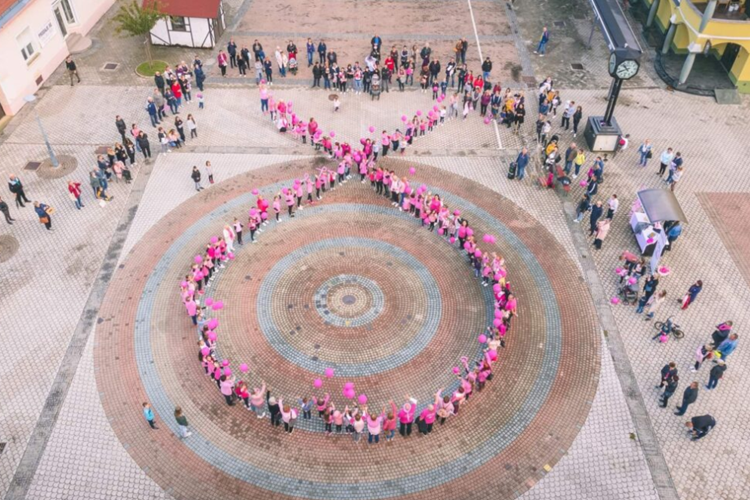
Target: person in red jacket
[{"x": 74, "y": 191}]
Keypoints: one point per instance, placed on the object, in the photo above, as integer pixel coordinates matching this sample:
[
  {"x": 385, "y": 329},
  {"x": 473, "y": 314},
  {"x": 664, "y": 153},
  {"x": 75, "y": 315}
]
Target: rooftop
[{"x": 186, "y": 8}]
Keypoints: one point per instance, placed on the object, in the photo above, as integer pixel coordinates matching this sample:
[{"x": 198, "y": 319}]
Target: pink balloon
[
  {"x": 412, "y": 171},
  {"x": 211, "y": 336},
  {"x": 493, "y": 355},
  {"x": 349, "y": 385},
  {"x": 456, "y": 213},
  {"x": 441, "y": 230},
  {"x": 497, "y": 288},
  {"x": 452, "y": 240},
  {"x": 487, "y": 120},
  {"x": 244, "y": 368},
  {"x": 371, "y": 129},
  {"x": 615, "y": 300},
  {"x": 435, "y": 108},
  {"x": 469, "y": 231},
  {"x": 407, "y": 190},
  {"x": 498, "y": 313},
  {"x": 482, "y": 339},
  {"x": 255, "y": 192},
  {"x": 212, "y": 323},
  {"x": 317, "y": 383},
  {"x": 332, "y": 134},
  {"x": 404, "y": 118},
  {"x": 466, "y": 245},
  {"x": 632, "y": 281},
  {"x": 582, "y": 183},
  {"x": 456, "y": 370},
  {"x": 618, "y": 270},
  {"x": 198, "y": 259},
  {"x": 228, "y": 372},
  {"x": 253, "y": 212},
  {"x": 329, "y": 372},
  {"x": 498, "y": 276},
  {"x": 264, "y": 215},
  {"x": 224, "y": 362},
  {"x": 183, "y": 284},
  {"x": 497, "y": 322},
  {"x": 214, "y": 239},
  {"x": 218, "y": 305},
  {"x": 419, "y": 113},
  {"x": 230, "y": 255},
  {"x": 205, "y": 351},
  {"x": 199, "y": 276},
  {"x": 349, "y": 394},
  {"x": 285, "y": 190},
  {"x": 209, "y": 301},
  {"x": 362, "y": 399}
]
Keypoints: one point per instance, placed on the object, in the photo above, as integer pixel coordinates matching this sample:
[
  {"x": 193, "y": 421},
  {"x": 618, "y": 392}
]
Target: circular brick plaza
[{"x": 353, "y": 284}]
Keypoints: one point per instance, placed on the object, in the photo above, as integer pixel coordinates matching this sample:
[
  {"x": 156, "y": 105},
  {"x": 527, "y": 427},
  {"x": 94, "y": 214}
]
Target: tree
[{"x": 138, "y": 20}]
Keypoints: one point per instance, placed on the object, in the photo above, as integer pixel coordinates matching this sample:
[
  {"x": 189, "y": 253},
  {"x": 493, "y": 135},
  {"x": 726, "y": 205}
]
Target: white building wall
[
  {"x": 18, "y": 76},
  {"x": 196, "y": 37}
]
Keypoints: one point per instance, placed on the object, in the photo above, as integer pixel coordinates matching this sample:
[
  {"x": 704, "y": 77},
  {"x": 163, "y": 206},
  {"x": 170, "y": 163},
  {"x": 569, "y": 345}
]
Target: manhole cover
[
  {"x": 110, "y": 66},
  {"x": 8, "y": 248},
  {"x": 577, "y": 66},
  {"x": 32, "y": 165},
  {"x": 68, "y": 164},
  {"x": 559, "y": 24}
]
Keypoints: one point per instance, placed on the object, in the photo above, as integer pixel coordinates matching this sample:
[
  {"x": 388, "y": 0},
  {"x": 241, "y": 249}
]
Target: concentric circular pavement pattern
[{"x": 353, "y": 284}]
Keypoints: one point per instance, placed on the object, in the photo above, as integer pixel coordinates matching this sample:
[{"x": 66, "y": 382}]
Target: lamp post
[{"x": 31, "y": 98}]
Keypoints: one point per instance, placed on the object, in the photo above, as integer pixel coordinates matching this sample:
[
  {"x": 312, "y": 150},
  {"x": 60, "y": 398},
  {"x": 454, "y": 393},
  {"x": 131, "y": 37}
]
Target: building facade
[
  {"x": 33, "y": 36},
  {"x": 721, "y": 28},
  {"x": 189, "y": 23}
]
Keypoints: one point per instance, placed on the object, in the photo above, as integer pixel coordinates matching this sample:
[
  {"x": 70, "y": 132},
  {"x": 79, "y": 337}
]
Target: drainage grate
[
  {"x": 2, "y": 447},
  {"x": 32, "y": 165},
  {"x": 110, "y": 66},
  {"x": 577, "y": 66},
  {"x": 559, "y": 24}
]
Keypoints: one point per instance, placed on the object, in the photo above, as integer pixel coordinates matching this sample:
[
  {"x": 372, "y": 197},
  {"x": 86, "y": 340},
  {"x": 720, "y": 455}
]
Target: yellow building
[{"x": 720, "y": 27}]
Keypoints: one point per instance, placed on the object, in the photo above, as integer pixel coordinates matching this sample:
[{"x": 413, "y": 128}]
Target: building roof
[
  {"x": 9, "y": 9},
  {"x": 207, "y": 9}
]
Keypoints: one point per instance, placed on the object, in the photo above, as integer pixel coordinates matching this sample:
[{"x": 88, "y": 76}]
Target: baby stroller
[
  {"x": 293, "y": 65},
  {"x": 629, "y": 293}
]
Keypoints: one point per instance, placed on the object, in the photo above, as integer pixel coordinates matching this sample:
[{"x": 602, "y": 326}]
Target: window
[
  {"x": 69, "y": 17},
  {"x": 26, "y": 42},
  {"x": 179, "y": 23}
]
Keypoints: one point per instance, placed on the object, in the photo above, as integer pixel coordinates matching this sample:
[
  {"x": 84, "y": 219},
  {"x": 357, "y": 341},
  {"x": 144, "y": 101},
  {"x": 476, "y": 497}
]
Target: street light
[{"x": 31, "y": 98}]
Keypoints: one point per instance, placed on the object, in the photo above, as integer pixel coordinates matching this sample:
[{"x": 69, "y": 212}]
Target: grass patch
[{"x": 149, "y": 69}]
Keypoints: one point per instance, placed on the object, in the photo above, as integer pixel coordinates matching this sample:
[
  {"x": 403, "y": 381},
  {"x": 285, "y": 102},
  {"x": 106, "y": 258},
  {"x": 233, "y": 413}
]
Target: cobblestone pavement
[{"x": 100, "y": 449}]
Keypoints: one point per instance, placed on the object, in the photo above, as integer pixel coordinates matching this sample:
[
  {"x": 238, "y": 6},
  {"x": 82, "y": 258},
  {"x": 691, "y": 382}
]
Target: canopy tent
[{"x": 661, "y": 205}]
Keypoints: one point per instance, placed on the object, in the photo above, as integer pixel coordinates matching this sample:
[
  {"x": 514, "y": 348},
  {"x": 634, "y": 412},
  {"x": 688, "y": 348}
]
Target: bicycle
[{"x": 669, "y": 327}]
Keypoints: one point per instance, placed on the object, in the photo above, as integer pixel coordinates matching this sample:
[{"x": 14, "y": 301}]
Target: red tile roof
[
  {"x": 207, "y": 9},
  {"x": 5, "y": 5}
]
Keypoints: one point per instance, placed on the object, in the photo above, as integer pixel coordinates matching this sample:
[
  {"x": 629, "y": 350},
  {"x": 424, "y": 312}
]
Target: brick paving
[{"x": 405, "y": 378}]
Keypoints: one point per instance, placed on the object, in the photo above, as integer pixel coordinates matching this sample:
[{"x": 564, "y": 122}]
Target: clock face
[
  {"x": 627, "y": 69},
  {"x": 612, "y": 63}
]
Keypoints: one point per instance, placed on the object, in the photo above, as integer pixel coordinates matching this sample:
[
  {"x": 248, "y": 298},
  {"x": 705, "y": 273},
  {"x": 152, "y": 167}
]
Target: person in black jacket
[
  {"x": 6, "y": 212},
  {"x": 196, "y": 176},
  {"x": 486, "y": 68},
  {"x": 273, "y": 408},
  {"x": 159, "y": 81},
  {"x": 688, "y": 397},
  {"x": 72, "y": 69},
  {"x": 670, "y": 390},
  {"x": 121, "y": 126},
  {"x": 143, "y": 143},
  {"x": 716, "y": 373},
  {"x": 232, "y": 50},
  {"x": 698, "y": 427},
  {"x": 16, "y": 187},
  {"x": 668, "y": 371},
  {"x": 596, "y": 213},
  {"x": 322, "y": 49},
  {"x": 317, "y": 73}
]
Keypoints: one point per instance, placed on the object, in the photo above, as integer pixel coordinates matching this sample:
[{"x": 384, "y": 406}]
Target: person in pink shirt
[
  {"x": 258, "y": 400},
  {"x": 299, "y": 192},
  {"x": 227, "y": 388},
  {"x": 328, "y": 421},
  {"x": 321, "y": 404},
  {"x": 426, "y": 419},
  {"x": 389, "y": 425},
  {"x": 222, "y": 59},
  {"x": 289, "y": 198},
  {"x": 338, "y": 419},
  {"x": 374, "y": 425},
  {"x": 192, "y": 309},
  {"x": 288, "y": 416},
  {"x": 385, "y": 140},
  {"x": 406, "y": 416},
  {"x": 457, "y": 398},
  {"x": 277, "y": 206},
  {"x": 309, "y": 186},
  {"x": 444, "y": 406}
]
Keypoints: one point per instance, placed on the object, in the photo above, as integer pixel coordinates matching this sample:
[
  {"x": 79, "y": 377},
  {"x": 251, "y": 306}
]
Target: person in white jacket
[{"x": 229, "y": 238}]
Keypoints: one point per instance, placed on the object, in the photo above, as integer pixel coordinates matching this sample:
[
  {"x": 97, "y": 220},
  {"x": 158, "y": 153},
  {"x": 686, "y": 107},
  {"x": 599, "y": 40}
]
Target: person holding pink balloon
[
  {"x": 257, "y": 403},
  {"x": 406, "y": 416},
  {"x": 321, "y": 403}
]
